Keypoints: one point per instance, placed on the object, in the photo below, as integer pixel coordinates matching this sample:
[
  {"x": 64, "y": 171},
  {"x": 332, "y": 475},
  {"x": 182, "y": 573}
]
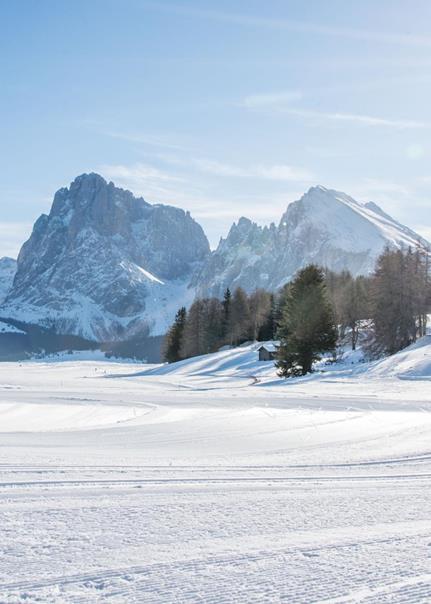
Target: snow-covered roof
[{"x": 269, "y": 346}]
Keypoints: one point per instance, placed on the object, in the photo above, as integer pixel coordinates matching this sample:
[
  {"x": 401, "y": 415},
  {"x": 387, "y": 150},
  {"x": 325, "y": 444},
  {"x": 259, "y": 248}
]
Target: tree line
[
  {"x": 314, "y": 313},
  {"x": 211, "y": 323}
]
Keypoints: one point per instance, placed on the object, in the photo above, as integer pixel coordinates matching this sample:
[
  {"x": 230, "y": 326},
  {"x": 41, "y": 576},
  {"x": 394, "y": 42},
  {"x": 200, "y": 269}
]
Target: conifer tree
[
  {"x": 202, "y": 331},
  {"x": 268, "y": 328},
  {"x": 400, "y": 298},
  {"x": 173, "y": 339},
  {"x": 227, "y": 298},
  {"x": 307, "y": 328},
  {"x": 239, "y": 325},
  {"x": 259, "y": 303}
]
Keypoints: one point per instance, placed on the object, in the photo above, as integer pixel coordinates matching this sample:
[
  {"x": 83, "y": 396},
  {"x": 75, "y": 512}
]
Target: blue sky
[{"x": 223, "y": 108}]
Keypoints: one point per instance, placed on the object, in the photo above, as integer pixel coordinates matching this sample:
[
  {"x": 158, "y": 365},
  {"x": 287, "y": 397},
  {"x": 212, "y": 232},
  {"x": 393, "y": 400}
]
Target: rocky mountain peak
[{"x": 94, "y": 264}]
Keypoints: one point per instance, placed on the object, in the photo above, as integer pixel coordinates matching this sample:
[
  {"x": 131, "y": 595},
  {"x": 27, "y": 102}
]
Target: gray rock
[
  {"x": 101, "y": 257},
  {"x": 324, "y": 227},
  {"x": 109, "y": 266},
  {"x": 7, "y": 275}
]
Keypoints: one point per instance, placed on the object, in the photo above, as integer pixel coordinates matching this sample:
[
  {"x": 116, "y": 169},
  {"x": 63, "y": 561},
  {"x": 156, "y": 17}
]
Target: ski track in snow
[{"x": 202, "y": 484}]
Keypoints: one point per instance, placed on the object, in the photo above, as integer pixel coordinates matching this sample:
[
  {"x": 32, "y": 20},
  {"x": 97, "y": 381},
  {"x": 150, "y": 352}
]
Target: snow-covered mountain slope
[
  {"x": 325, "y": 227},
  {"x": 104, "y": 264},
  {"x": 7, "y": 274}
]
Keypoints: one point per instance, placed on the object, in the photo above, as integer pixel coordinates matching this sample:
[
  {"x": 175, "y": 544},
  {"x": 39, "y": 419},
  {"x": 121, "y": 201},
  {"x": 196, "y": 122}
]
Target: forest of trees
[
  {"x": 211, "y": 323},
  {"x": 312, "y": 314}
]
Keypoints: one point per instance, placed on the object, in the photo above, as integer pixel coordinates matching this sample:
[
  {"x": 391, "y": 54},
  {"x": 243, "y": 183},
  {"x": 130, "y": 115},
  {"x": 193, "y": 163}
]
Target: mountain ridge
[{"x": 106, "y": 265}]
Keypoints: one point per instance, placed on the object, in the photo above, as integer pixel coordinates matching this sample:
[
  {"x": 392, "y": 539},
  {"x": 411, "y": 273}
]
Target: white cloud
[
  {"x": 218, "y": 168},
  {"x": 272, "y": 172},
  {"x": 284, "y": 172},
  {"x": 291, "y": 25},
  {"x": 283, "y": 103},
  {"x": 145, "y": 139},
  {"x": 424, "y": 231},
  {"x": 371, "y": 186},
  {"x": 367, "y": 120},
  {"x": 415, "y": 151},
  {"x": 276, "y": 172},
  {"x": 138, "y": 172},
  {"x": 146, "y": 180},
  {"x": 12, "y": 236}
]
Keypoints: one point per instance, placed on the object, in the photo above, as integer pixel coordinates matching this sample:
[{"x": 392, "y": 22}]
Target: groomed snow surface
[{"x": 214, "y": 481}]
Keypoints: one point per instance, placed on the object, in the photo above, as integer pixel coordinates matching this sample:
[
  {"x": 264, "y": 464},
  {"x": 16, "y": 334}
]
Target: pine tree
[
  {"x": 193, "y": 338},
  {"x": 400, "y": 299},
  {"x": 227, "y": 298},
  {"x": 202, "y": 331},
  {"x": 173, "y": 339},
  {"x": 268, "y": 328},
  {"x": 239, "y": 325},
  {"x": 350, "y": 299},
  {"x": 307, "y": 328},
  {"x": 259, "y": 303}
]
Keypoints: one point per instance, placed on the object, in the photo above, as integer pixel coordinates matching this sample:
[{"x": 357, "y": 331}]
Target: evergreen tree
[
  {"x": 203, "y": 328},
  {"x": 259, "y": 303},
  {"x": 307, "y": 328},
  {"x": 268, "y": 328},
  {"x": 400, "y": 299},
  {"x": 193, "y": 342},
  {"x": 173, "y": 339},
  {"x": 213, "y": 316},
  {"x": 227, "y": 298},
  {"x": 239, "y": 324}
]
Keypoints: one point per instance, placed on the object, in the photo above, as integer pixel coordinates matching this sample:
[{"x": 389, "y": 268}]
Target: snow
[
  {"x": 8, "y": 328},
  {"x": 355, "y": 225},
  {"x": 149, "y": 275},
  {"x": 135, "y": 268},
  {"x": 413, "y": 362},
  {"x": 213, "y": 480},
  {"x": 7, "y": 274}
]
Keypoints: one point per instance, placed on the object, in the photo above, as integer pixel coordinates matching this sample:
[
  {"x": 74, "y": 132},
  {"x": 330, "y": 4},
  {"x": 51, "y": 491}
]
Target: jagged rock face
[
  {"x": 324, "y": 227},
  {"x": 7, "y": 274},
  {"x": 103, "y": 262}
]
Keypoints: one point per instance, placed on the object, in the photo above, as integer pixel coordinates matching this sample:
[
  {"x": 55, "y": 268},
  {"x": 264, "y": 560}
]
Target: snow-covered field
[{"x": 214, "y": 481}]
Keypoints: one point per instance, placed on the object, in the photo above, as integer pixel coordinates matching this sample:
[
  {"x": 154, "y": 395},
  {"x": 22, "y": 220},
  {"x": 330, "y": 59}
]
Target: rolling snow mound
[
  {"x": 242, "y": 361},
  {"x": 413, "y": 362}
]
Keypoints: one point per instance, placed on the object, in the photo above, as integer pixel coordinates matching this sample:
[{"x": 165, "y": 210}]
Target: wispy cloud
[
  {"x": 279, "y": 172},
  {"x": 358, "y": 118},
  {"x": 144, "y": 139},
  {"x": 12, "y": 236},
  {"x": 281, "y": 103},
  {"x": 146, "y": 180},
  {"x": 284, "y": 172},
  {"x": 209, "y": 166},
  {"x": 210, "y": 202},
  {"x": 247, "y": 20}
]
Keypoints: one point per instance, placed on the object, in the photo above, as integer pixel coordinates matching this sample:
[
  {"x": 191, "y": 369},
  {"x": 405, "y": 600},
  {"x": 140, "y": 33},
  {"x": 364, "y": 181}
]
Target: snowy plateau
[
  {"x": 214, "y": 481},
  {"x": 107, "y": 266}
]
